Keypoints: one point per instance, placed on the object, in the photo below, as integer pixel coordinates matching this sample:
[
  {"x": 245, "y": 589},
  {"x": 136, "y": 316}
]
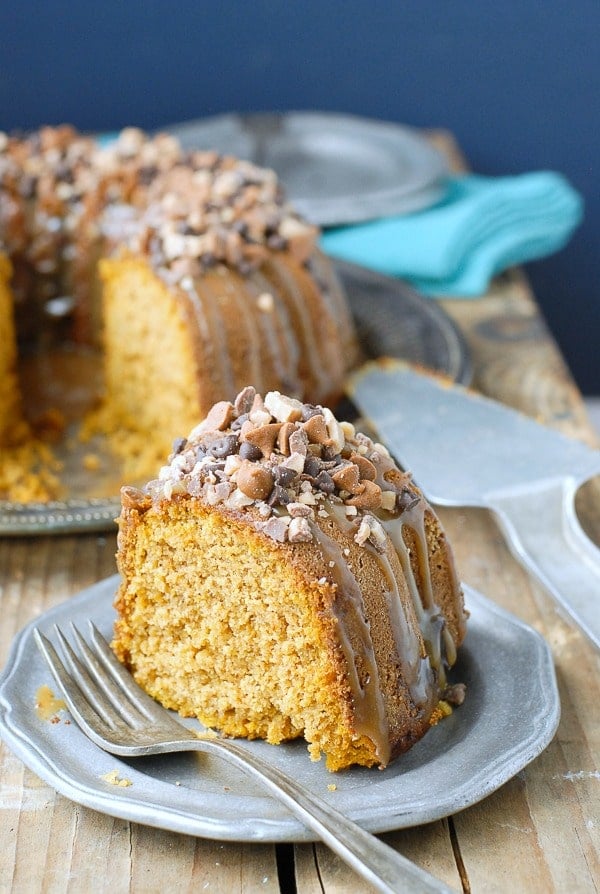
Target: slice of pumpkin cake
[{"x": 283, "y": 578}]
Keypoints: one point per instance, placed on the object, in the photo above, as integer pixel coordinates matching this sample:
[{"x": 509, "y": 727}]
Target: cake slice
[
  {"x": 188, "y": 270},
  {"x": 283, "y": 578}
]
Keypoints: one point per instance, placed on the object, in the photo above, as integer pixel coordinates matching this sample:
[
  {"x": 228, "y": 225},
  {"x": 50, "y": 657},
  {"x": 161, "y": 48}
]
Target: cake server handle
[{"x": 542, "y": 529}]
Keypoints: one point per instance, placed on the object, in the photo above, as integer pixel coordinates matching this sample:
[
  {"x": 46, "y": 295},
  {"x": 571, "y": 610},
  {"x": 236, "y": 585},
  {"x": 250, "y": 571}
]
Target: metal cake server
[{"x": 467, "y": 450}]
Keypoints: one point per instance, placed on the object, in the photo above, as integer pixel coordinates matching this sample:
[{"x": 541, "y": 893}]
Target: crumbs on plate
[{"x": 113, "y": 778}]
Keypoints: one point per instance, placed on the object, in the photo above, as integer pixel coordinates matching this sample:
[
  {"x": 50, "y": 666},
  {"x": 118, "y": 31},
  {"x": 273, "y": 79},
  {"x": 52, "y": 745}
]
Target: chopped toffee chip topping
[
  {"x": 286, "y": 462},
  {"x": 187, "y": 211}
]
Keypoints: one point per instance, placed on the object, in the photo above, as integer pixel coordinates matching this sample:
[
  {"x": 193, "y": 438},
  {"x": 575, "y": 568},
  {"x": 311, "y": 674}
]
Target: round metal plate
[{"x": 463, "y": 759}]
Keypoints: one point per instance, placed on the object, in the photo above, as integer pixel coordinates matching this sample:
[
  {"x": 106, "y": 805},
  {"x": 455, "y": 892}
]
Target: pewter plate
[
  {"x": 336, "y": 169},
  {"x": 392, "y": 320},
  {"x": 509, "y": 716}
]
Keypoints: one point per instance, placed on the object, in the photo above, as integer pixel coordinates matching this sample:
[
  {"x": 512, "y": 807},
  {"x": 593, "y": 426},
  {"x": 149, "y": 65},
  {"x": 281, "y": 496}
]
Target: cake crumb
[
  {"x": 332, "y": 787},
  {"x": 47, "y": 705},
  {"x": 443, "y": 709},
  {"x": 207, "y": 734},
  {"x": 113, "y": 778}
]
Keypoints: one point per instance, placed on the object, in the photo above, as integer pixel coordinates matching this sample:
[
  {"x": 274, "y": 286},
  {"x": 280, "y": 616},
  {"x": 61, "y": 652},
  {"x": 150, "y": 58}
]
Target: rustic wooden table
[{"x": 539, "y": 833}]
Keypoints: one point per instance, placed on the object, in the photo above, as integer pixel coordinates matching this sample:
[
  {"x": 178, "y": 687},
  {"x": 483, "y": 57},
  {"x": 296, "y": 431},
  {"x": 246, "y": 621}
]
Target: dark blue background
[{"x": 518, "y": 83}]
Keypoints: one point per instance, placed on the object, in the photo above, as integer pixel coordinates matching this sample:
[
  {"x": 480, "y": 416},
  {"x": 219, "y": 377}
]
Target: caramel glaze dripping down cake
[
  {"x": 283, "y": 578},
  {"x": 188, "y": 267}
]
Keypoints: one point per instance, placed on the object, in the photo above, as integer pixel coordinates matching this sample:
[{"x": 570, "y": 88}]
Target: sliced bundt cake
[{"x": 283, "y": 578}]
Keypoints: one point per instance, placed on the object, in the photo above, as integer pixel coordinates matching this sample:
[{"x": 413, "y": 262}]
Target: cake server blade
[{"x": 467, "y": 450}]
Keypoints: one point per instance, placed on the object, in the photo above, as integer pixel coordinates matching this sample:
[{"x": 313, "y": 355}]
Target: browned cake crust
[
  {"x": 146, "y": 244},
  {"x": 283, "y": 578}
]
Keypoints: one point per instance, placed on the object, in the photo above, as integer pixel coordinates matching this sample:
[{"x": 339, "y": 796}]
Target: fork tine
[
  {"x": 100, "y": 689},
  {"x": 86, "y": 716},
  {"x": 127, "y": 685},
  {"x": 80, "y": 675}
]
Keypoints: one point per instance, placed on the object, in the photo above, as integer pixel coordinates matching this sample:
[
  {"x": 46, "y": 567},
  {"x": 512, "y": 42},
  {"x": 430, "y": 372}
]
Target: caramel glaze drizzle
[
  {"x": 370, "y": 718},
  {"x": 440, "y": 645},
  {"x": 422, "y": 674},
  {"x": 416, "y": 668}
]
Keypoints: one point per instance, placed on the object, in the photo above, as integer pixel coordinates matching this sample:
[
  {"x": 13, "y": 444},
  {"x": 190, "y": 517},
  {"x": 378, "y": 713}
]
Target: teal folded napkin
[{"x": 481, "y": 226}]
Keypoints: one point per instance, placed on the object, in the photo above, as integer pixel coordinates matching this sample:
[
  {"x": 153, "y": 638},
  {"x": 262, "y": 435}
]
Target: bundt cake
[
  {"x": 188, "y": 268},
  {"x": 283, "y": 578}
]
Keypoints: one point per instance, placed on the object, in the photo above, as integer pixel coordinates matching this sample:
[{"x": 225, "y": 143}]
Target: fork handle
[{"x": 384, "y": 868}]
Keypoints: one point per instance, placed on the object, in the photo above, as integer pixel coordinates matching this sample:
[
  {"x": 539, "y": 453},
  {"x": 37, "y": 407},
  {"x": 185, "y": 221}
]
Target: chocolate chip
[
  {"x": 309, "y": 410},
  {"x": 263, "y": 436},
  {"x": 250, "y": 451},
  {"x": 279, "y": 496},
  {"x": 329, "y": 453},
  {"x": 365, "y": 467},
  {"x": 312, "y": 466},
  {"x": 325, "y": 483},
  {"x": 284, "y": 476},
  {"x": 347, "y": 478},
  {"x": 237, "y": 423},
  {"x": 406, "y": 500},
  {"x": 366, "y": 496},
  {"x": 225, "y": 446}
]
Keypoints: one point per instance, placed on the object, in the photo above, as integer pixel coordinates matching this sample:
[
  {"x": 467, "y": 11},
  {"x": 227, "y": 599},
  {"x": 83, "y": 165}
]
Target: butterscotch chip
[
  {"x": 347, "y": 478},
  {"x": 254, "y": 480},
  {"x": 367, "y": 496},
  {"x": 263, "y": 436},
  {"x": 219, "y": 417},
  {"x": 283, "y": 438},
  {"x": 246, "y": 427},
  {"x": 316, "y": 429},
  {"x": 365, "y": 467}
]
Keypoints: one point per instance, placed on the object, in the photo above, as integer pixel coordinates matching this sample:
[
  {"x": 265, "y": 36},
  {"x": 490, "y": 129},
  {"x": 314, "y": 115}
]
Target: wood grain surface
[{"x": 539, "y": 833}]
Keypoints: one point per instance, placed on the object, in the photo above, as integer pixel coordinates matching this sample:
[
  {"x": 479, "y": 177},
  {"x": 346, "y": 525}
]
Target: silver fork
[{"x": 116, "y": 714}]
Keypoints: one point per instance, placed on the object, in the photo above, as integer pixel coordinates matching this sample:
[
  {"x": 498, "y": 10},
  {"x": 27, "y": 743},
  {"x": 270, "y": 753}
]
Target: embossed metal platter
[
  {"x": 509, "y": 716},
  {"x": 336, "y": 169},
  {"x": 392, "y": 320}
]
